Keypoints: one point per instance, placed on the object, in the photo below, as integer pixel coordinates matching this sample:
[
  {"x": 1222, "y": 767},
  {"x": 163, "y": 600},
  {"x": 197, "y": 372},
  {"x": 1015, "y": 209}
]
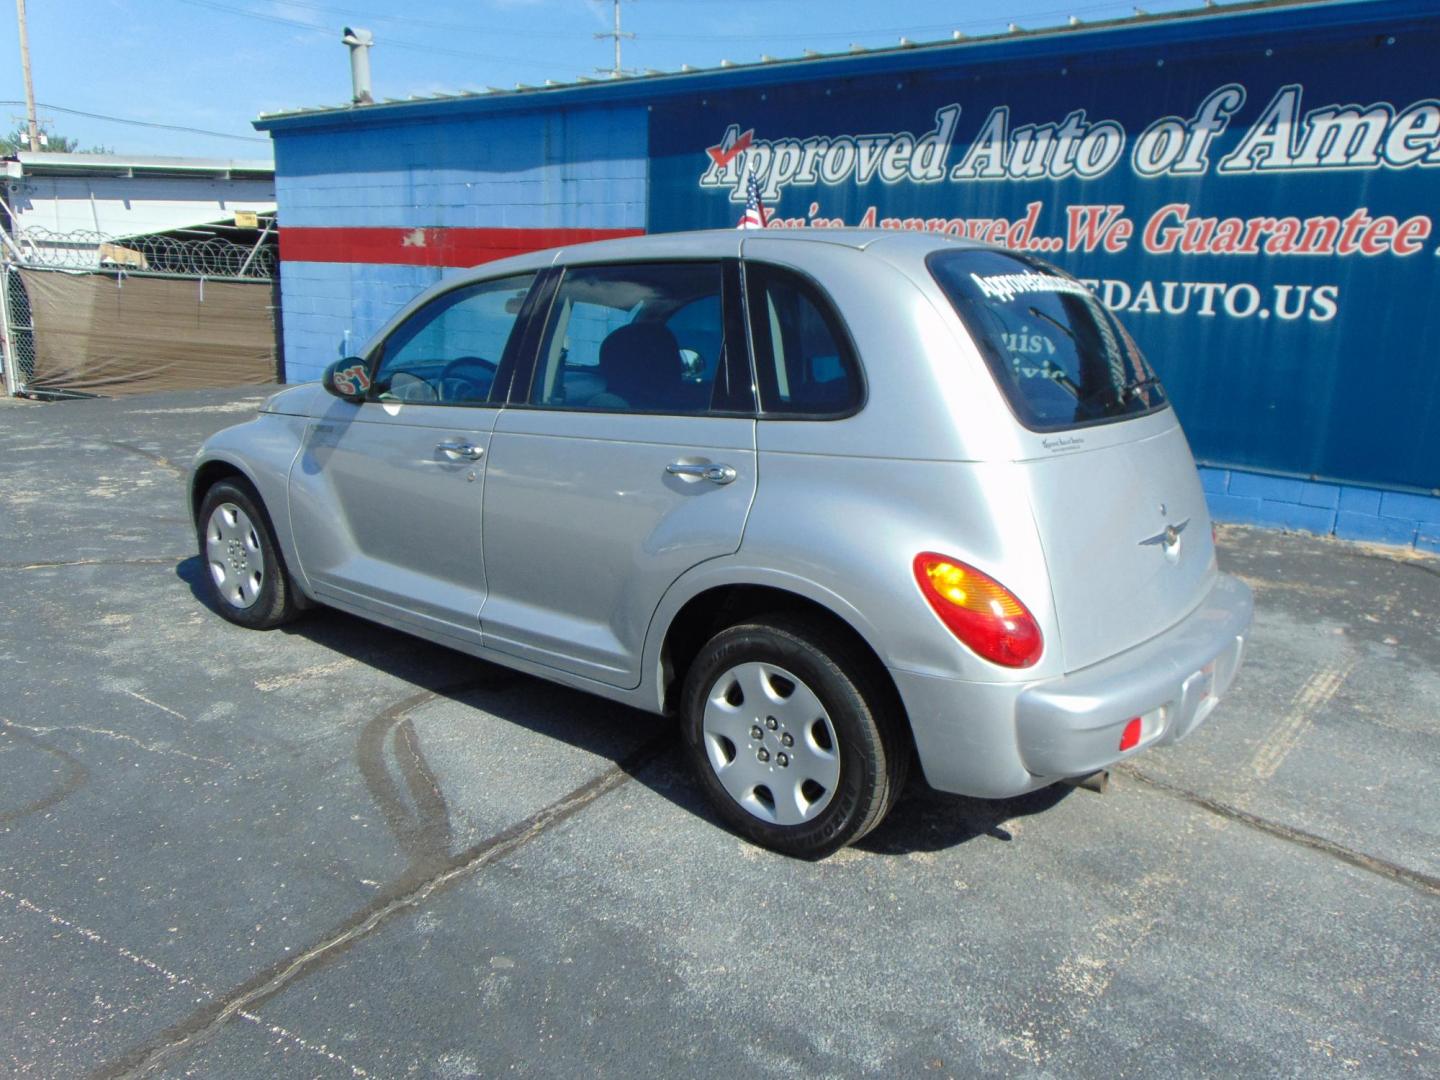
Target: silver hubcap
[
  {"x": 771, "y": 743},
  {"x": 232, "y": 548}
]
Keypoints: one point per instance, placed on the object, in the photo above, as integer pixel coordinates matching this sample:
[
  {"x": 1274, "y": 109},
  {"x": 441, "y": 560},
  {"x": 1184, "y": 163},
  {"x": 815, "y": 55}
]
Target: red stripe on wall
[{"x": 428, "y": 247}]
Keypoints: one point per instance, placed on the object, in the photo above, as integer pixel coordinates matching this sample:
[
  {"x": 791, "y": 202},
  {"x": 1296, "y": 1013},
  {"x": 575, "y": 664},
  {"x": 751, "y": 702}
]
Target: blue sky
[{"x": 217, "y": 64}]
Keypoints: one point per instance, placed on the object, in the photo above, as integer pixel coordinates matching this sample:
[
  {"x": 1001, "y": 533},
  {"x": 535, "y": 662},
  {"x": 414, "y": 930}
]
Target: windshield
[{"x": 1061, "y": 358}]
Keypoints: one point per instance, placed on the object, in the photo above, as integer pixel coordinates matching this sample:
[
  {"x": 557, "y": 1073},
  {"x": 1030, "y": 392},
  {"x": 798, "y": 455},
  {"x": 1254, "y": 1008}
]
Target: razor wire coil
[{"x": 85, "y": 249}]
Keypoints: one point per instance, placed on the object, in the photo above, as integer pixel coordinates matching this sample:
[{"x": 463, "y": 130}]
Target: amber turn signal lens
[{"x": 978, "y": 610}]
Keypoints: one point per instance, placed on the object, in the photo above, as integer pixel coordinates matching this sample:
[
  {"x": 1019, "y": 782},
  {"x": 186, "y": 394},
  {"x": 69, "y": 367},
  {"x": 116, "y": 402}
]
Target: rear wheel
[
  {"x": 794, "y": 734},
  {"x": 242, "y": 561}
]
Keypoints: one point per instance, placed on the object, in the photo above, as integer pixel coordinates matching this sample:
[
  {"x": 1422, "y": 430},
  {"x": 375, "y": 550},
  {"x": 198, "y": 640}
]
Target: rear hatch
[
  {"x": 1117, "y": 576},
  {"x": 1115, "y": 495}
]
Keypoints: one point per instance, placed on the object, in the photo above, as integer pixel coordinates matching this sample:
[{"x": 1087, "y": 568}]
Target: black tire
[
  {"x": 275, "y": 600},
  {"x": 870, "y": 735}
]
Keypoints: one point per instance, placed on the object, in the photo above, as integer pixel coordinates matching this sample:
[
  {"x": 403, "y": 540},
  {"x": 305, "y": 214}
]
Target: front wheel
[
  {"x": 242, "y": 561},
  {"x": 794, "y": 734}
]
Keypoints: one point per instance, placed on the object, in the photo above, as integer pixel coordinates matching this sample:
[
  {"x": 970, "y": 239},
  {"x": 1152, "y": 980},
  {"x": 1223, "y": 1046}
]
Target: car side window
[
  {"x": 803, "y": 360},
  {"x": 641, "y": 337},
  {"x": 447, "y": 353}
]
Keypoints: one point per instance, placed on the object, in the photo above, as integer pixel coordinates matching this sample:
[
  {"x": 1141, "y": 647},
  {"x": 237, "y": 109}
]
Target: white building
[{"x": 61, "y": 208}]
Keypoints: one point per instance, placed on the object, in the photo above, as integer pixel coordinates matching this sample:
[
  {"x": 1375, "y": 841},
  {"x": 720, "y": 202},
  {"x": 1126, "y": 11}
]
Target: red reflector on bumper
[{"x": 1131, "y": 735}]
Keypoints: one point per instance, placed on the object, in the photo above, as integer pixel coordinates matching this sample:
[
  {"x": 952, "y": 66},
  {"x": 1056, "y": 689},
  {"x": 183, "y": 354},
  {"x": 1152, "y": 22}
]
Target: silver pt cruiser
[{"x": 836, "y": 499}]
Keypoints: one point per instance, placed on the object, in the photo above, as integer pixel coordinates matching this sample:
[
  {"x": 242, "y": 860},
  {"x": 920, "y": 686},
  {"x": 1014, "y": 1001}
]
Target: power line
[
  {"x": 410, "y": 20},
  {"x": 937, "y": 28},
  {"x": 470, "y": 28},
  {"x": 388, "y": 42},
  {"x": 577, "y": 35},
  {"x": 140, "y": 123}
]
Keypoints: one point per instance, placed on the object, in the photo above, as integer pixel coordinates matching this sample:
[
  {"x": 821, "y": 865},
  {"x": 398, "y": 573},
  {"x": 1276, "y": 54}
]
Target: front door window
[{"x": 448, "y": 352}]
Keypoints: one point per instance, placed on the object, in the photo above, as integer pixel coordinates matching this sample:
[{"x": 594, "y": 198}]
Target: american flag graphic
[{"x": 754, "y": 216}]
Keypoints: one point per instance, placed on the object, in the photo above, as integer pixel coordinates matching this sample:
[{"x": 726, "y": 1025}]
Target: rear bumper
[{"x": 997, "y": 740}]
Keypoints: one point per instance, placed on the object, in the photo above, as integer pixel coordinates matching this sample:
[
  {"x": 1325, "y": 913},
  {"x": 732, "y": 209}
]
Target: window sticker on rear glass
[{"x": 1008, "y": 286}]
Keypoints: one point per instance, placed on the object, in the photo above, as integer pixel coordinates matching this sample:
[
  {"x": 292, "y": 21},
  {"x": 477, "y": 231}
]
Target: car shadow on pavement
[
  {"x": 928, "y": 820},
  {"x": 645, "y": 746}
]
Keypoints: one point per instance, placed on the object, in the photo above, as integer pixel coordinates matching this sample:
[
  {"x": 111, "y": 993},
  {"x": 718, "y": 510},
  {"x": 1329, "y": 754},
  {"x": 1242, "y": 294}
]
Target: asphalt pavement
[{"x": 333, "y": 850}]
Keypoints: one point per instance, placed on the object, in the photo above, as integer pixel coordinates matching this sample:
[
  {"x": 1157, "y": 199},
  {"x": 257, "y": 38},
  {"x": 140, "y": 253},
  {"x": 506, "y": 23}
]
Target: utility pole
[
  {"x": 616, "y": 33},
  {"x": 33, "y": 128}
]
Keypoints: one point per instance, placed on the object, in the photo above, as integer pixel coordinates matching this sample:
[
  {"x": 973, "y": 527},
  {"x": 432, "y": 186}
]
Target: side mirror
[{"x": 348, "y": 379}]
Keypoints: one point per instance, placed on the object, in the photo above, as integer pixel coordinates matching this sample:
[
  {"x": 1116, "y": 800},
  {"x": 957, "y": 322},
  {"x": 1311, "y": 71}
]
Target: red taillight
[
  {"x": 979, "y": 610},
  {"x": 1131, "y": 735}
]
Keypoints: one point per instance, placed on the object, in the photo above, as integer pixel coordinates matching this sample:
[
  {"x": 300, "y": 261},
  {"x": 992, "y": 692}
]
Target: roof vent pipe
[{"x": 359, "y": 41}]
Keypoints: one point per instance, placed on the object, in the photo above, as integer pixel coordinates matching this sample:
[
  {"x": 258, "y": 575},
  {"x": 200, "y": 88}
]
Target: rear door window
[
  {"x": 803, "y": 360},
  {"x": 1061, "y": 358},
  {"x": 639, "y": 337}
]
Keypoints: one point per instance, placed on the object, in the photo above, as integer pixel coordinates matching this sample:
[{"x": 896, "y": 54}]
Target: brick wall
[{"x": 1342, "y": 510}]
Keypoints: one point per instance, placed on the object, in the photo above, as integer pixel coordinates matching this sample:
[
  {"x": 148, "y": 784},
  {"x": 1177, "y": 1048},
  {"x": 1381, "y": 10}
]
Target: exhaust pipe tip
[{"x": 1097, "y": 782}]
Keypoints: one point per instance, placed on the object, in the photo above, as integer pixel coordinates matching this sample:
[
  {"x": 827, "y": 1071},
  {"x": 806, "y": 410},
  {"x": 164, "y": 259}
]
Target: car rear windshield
[{"x": 1061, "y": 358}]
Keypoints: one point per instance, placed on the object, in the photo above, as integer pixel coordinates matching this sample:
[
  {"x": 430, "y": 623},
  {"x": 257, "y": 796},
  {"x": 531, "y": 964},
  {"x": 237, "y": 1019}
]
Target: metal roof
[
  {"x": 27, "y": 163},
  {"x": 1073, "y": 38}
]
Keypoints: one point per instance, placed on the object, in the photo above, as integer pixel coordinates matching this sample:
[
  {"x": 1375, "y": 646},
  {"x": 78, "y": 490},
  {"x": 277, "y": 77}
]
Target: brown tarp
[{"x": 99, "y": 334}]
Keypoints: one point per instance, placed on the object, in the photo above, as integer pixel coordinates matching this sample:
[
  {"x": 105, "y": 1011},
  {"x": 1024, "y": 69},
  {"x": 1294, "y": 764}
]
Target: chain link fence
[{"x": 17, "y": 328}]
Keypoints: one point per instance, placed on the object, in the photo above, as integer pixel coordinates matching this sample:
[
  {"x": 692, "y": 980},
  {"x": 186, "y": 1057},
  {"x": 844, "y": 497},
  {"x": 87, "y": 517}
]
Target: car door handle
[
  {"x": 716, "y": 474},
  {"x": 462, "y": 449}
]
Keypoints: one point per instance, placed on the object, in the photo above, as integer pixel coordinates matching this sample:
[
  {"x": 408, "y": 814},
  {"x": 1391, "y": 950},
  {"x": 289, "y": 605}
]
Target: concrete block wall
[
  {"x": 1342, "y": 510},
  {"x": 332, "y": 310},
  {"x": 351, "y": 197}
]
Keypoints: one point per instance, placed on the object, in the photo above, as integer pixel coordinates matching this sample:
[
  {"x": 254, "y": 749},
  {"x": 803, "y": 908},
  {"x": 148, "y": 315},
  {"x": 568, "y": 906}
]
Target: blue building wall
[
  {"x": 332, "y": 309},
  {"x": 551, "y": 173},
  {"x": 580, "y": 167}
]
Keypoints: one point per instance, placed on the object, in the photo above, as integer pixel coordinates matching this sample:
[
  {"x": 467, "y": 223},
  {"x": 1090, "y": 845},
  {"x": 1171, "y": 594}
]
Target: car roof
[{"x": 718, "y": 243}]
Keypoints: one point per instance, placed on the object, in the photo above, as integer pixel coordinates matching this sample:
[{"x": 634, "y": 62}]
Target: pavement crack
[
  {"x": 158, "y": 560},
  {"x": 156, "y": 704},
  {"x": 150, "y": 455},
  {"x": 254, "y": 992},
  {"x": 119, "y": 736},
  {"x": 1426, "y": 883},
  {"x": 94, "y": 937}
]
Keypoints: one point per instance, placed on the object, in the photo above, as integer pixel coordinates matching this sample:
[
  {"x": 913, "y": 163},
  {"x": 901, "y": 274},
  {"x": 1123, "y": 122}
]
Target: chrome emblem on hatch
[{"x": 1169, "y": 539}]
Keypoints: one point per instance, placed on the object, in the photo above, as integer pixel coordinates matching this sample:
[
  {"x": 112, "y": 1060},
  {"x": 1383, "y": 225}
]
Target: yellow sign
[{"x": 247, "y": 219}]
